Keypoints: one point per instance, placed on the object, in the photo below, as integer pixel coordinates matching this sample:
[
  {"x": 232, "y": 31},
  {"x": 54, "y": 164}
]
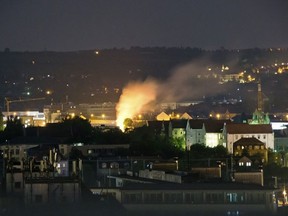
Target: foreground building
[{"x": 198, "y": 198}]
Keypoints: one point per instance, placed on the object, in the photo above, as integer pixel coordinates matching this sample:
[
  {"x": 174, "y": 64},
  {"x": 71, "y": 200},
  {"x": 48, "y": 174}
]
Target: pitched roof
[
  {"x": 248, "y": 129},
  {"x": 214, "y": 126},
  {"x": 163, "y": 116},
  {"x": 244, "y": 159},
  {"x": 196, "y": 123},
  {"x": 157, "y": 126},
  {"x": 248, "y": 141},
  {"x": 211, "y": 125},
  {"x": 181, "y": 123}
]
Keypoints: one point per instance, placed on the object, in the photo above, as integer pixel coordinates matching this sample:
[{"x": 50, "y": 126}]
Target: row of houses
[{"x": 212, "y": 133}]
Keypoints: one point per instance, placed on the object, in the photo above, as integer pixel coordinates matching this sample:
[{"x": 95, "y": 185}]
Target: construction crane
[{"x": 8, "y": 102}]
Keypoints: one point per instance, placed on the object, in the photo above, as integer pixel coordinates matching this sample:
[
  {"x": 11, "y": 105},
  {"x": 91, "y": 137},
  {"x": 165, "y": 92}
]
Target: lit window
[{"x": 248, "y": 163}]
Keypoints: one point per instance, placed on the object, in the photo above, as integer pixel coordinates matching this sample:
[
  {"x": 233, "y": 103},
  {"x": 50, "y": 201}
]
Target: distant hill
[{"x": 99, "y": 75}]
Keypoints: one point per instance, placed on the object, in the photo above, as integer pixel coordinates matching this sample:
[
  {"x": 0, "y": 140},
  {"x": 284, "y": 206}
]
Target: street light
[{"x": 284, "y": 195}]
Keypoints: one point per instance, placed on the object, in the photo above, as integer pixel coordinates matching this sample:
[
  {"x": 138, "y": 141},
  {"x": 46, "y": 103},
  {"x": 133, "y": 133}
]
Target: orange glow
[{"x": 135, "y": 99}]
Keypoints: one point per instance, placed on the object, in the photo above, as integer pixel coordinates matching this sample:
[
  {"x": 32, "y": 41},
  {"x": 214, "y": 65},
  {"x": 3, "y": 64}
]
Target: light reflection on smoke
[
  {"x": 134, "y": 97},
  {"x": 186, "y": 82}
]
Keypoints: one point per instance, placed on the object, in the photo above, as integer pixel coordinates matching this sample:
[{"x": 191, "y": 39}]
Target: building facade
[{"x": 234, "y": 132}]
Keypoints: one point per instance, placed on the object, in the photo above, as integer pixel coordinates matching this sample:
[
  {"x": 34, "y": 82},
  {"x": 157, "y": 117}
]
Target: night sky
[{"x": 65, "y": 25}]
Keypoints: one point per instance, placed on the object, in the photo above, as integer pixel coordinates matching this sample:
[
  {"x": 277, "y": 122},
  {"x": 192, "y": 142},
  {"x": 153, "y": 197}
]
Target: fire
[
  {"x": 135, "y": 97},
  {"x": 181, "y": 84}
]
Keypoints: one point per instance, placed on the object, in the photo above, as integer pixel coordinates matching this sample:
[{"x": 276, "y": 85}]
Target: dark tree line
[{"x": 14, "y": 128}]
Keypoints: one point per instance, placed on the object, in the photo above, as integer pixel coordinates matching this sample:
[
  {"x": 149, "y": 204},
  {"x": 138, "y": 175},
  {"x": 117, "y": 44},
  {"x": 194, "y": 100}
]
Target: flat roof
[{"x": 222, "y": 186}]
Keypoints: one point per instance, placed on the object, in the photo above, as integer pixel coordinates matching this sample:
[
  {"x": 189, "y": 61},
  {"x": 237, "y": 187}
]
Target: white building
[{"x": 234, "y": 132}]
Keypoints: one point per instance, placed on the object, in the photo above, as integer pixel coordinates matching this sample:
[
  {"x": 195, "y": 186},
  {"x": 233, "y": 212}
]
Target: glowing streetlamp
[{"x": 285, "y": 196}]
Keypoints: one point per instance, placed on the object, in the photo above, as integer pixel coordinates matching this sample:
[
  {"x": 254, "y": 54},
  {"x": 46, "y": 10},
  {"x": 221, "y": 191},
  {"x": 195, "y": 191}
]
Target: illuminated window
[
  {"x": 234, "y": 198},
  {"x": 114, "y": 165},
  {"x": 104, "y": 165},
  {"x": 248, "y": 163},
  {"x": 91, "y": 151}
]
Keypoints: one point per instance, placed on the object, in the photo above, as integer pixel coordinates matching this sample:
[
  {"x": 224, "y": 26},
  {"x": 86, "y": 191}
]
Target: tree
[
  {"x": 109, "y": 136},
  {"x": 1, "y": 122},
  {"x": 80, "y": 129},
  {"x": 14, "y": 127},
  {"x": 75, "y": 154},
  {"x": 128, "y": 124},
  {"x": 220, "y": 151},
  {"x": 144, "y": 141}
]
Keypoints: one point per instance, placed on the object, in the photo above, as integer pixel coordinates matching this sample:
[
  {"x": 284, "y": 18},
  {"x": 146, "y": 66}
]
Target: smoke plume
[
  {"x": 187, "y": 82},
  {"x": 135, "y": 97}
]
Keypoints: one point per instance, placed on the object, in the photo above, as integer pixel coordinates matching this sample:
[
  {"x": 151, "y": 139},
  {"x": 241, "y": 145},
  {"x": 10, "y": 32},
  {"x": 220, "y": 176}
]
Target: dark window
[
  {"x": 38, "y": 198},
  {"x": 17, "y": 185},
  {"x": 153, "y": 198},
  {"x": 173, "y": 198},
  {"x": 214, "y": 198},
  {"x": 189, "y": 198}
]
